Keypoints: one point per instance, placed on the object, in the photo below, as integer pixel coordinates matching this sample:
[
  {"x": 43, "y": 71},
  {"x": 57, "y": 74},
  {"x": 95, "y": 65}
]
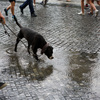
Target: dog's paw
[
  {"x": 35, "y": 56},
  {"x": 15, "y": 50}
]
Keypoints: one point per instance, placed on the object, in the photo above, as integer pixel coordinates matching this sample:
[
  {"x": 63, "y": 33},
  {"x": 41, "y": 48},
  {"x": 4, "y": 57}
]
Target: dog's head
[{"x": 49, "y": 51}]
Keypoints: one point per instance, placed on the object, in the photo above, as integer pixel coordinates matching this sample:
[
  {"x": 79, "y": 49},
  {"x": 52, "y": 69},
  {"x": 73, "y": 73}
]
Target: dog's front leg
[
  {"x": 34, "y": 49},
  {"x": 35, "y": 56},
  {"x": 28, "y": 49}
]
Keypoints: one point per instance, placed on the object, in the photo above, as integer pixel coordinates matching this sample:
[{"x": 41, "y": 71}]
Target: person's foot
[
  {"x": 13, "y": 16},
  {"x": 80, "y": 13},
  {"x": 41, "y": 3},
  {"x": 21, "y": 10},
  {"x": 86, "y": 5},
  {"x": 33, "y": 15},
  {"x": 96, "y": 13},
  {"x": 6, "y": 12},
  {"x": 34, "y": 5},
  {"x": 90, "y": 13},
  {"x": 2, "y": 85}
]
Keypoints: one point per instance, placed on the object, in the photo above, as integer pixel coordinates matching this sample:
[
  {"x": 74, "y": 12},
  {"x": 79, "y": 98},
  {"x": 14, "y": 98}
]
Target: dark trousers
[{"x": 30, "y": 3}]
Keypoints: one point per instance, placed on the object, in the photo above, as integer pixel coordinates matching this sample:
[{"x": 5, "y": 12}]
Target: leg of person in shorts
[
  {"x": 11, "y": 6},
  {"x": 93, "y": 7}
]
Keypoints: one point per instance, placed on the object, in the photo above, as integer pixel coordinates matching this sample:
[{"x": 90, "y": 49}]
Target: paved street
[{"x": 73, "y": 74}]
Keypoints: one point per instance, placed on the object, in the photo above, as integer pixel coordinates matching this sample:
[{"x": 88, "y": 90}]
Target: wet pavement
[{"x": 73, "y": 74}]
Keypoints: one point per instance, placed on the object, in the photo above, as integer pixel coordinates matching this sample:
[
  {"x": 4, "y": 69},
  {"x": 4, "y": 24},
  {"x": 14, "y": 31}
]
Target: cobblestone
[{"x": 70, "y": 75}]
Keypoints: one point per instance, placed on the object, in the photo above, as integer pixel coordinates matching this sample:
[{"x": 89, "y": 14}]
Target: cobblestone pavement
[{"x": 74, "y": 74}]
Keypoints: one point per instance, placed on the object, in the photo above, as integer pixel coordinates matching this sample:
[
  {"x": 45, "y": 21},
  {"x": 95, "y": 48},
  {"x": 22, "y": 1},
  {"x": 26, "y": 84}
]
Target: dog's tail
[{"x": 17, "y": 22}]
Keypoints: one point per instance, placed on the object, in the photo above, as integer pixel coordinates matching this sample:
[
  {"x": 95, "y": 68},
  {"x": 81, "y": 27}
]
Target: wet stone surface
[{"x": 73, "y": 74}]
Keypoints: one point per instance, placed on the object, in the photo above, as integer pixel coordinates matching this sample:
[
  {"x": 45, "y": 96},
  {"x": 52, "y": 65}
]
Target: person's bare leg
[
  {"x": 98, "y": 2},
  {"x": 93, "y": 7},
  {"x": 12, "y": 7},
  {"x": 82, "y": 6},
  {"x": 9, "y": 7}
]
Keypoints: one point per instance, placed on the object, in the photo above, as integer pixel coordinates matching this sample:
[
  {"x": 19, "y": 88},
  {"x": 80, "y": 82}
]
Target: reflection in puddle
[
  {"x": 28, "y": 68},
  {"x": 81, "y": 65}
]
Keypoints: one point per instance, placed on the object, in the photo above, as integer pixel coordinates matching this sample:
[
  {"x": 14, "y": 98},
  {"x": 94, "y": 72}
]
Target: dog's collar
[{"x": 44, "y": 48}]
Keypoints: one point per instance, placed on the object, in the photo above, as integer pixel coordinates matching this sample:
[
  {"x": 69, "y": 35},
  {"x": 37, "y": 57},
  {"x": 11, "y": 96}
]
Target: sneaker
[
  {"x": 41, "y": 3},
  {"x": 21, "y": 10},
  {"x": 13, "y": 16},
  {"x": 45, "y": 2},
  {"x": 86, "y": 5},
  {"x": 96, "y": 13},
  {"x": 2, "y": 85},
  {"x": 34, "y": 5},
  {"x": 90, "y": 13},
  {"x": 80, "y": 13},
  {"x": 6, "y": 12},
  {"x": 33, "y": 15}
]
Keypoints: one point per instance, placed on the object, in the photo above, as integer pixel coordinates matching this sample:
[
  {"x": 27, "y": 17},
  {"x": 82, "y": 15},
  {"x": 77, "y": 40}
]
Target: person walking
[
  {"x": 82, "y": 8},
  {"x": 2, "y": 20},
  {"x": 26, "y": 3},
  {"x": 11, "y": 6},
  {"x": 93, "y": 8}
]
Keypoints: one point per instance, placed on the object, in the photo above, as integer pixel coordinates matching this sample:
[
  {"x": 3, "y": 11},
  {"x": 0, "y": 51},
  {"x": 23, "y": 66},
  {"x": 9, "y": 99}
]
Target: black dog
[{"x": 35, "y": 40}]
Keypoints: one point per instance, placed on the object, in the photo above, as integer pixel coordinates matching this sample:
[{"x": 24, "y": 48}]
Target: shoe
[
  {"x": 21, "y": 10},
  {"x": 41, "y": 3},
  {"x": 96, "y": 13},
  {"x": 45, "y": 2},
  {"x": 13, "y": 16},
  {"x": 86, "y": 5},
  {"x": 2, "y": 85},
  {"x": 6, "y": 12},
  {"x": 90, "y": 13},
  {"x": 34, "y": 5},
  {"x": 33, "y": 15},
  {"x": 80, "y": 13}
]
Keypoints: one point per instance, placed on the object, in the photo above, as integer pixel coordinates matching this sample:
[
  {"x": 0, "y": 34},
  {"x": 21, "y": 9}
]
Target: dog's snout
[{"x": 51, "y": 57}]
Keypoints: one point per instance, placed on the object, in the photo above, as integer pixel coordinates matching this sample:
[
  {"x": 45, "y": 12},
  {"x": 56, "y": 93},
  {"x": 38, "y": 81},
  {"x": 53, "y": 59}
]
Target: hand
[{"x": 2, "y": 19}]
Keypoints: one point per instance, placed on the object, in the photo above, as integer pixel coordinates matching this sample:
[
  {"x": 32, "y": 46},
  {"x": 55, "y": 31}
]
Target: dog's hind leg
[{"x": 19, "y": 37}]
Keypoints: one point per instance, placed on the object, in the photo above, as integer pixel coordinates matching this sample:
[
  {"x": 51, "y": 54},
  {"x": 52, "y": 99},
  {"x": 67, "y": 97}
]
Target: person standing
[
  {"x": 26, "y": 3},
  {"x": 2, "y": 20},
  {"x": 11, "y": 6}
]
